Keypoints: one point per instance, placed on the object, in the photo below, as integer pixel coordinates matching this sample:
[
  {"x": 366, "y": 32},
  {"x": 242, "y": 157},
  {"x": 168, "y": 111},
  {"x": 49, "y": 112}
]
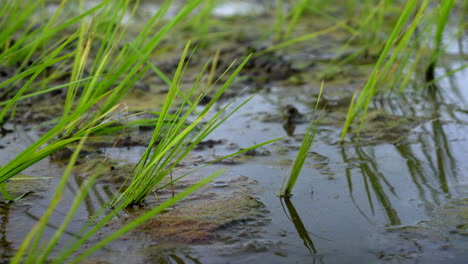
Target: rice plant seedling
[
  {"x": 285, "y": 22},
  {"x": 167, "y": 148},
  {"x": 287, "y": 186},
  {"x": 31, "y": 251},
  {"x": 400, "y": 37},
  {"x": 113, "y": 72},
  {"x": 443, "y": 12},
  {"x": 404, "y": 51},
  {"x": 203, "y": 19},
  {"x": 173, "y": 146},
  {"x": 280, "y": 19},
  {"x": 296, "y": 14}
]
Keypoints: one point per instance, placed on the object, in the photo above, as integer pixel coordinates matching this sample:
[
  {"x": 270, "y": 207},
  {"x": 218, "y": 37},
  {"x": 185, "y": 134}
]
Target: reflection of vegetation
[
  {"x": 300, "y": 228},
  {"x": 378, "y": 183},
  {"x": 350, "y": 181},
  {"x": 444, "y": 165},
  {"x": 424, "y": 167},
  {"x": 375, "y": 184},
  {"x": 401, "y": 52},
  {"x": 416, "y": 170},
  {"x": 171, "y": 256}
]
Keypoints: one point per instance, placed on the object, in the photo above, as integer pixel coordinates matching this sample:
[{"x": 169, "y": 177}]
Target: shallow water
[
  {"x": 371, "y": 203},
  {"x": 350, "y": 199}
]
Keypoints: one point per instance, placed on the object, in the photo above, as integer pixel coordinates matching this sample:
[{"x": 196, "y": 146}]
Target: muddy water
[
  {"x": 373, "y": 202},
  {"x": 380, "y": 202},
  {"x": 398, "y": 196}
]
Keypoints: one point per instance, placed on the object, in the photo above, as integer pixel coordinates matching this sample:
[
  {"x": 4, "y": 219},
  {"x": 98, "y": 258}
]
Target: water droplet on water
[{"x": 219, "y": 184}]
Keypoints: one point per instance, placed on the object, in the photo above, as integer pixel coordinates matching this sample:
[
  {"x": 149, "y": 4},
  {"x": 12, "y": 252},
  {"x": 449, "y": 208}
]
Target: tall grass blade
[{"x": 286, "y": 189}]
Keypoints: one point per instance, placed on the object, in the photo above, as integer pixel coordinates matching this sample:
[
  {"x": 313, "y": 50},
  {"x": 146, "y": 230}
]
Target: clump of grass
[
  {"x": 404, "y": 52},
  {"x": 113, "y": 72},
  {"x": 32, "y": 251},
  {"x": 443, "y": 11},
  {"x": 169, "y": 146},
  {"x": 385, "y": 66},
  {"x": 287, "y": 186}
]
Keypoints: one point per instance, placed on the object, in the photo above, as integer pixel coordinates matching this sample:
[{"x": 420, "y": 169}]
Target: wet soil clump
[{"x": 204, "y": 216}]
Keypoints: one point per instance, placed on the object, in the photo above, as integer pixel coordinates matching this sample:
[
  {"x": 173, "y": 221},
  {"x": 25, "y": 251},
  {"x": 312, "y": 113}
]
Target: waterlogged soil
[
  {"x": 203, "y": 217},
  {"x": 394, "y": 192}
]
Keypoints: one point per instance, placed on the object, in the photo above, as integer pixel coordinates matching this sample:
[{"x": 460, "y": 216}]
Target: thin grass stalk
[
  {"x": 390, "y": 62},
  {"x": 111, "y": 36},
  {"x": 279, "y": 20},
  {"x": 297, "y": 12},
  {"x": 82, "y": 52},
  {"x": 45, "y": 28},
  {"x": 203, "y": 19},
  {"x": 207, "y": 129},
  {"x": 33, "y": 154},
  {"x": 22, "y": 12},
  {"x": 185, "y": 145},
  {"x": 142, "y": 165},
  {"x": 40, "y": 69},
  {"x": 23, "y": 160},
  {"x": 40, "y": 61},
  {"x": 307, "y": 142},
  {"x": 299, "y": 39}
]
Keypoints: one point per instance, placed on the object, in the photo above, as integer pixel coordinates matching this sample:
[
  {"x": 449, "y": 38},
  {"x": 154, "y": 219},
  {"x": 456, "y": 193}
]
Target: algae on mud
[{"x": 203, "y": 217}]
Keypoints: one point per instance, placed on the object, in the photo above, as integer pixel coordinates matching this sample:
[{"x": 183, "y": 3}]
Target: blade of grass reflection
[
  {"x": 371, "y": 173},
  {"x": 428, "y": 194},
  {"x": 446, "y": 165},
  {"x": 350, "y": 182},
  {"x": 300, "y": 228},
  {"x": 368, "y": 192},
  {"x": 52, "y": 226}
]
